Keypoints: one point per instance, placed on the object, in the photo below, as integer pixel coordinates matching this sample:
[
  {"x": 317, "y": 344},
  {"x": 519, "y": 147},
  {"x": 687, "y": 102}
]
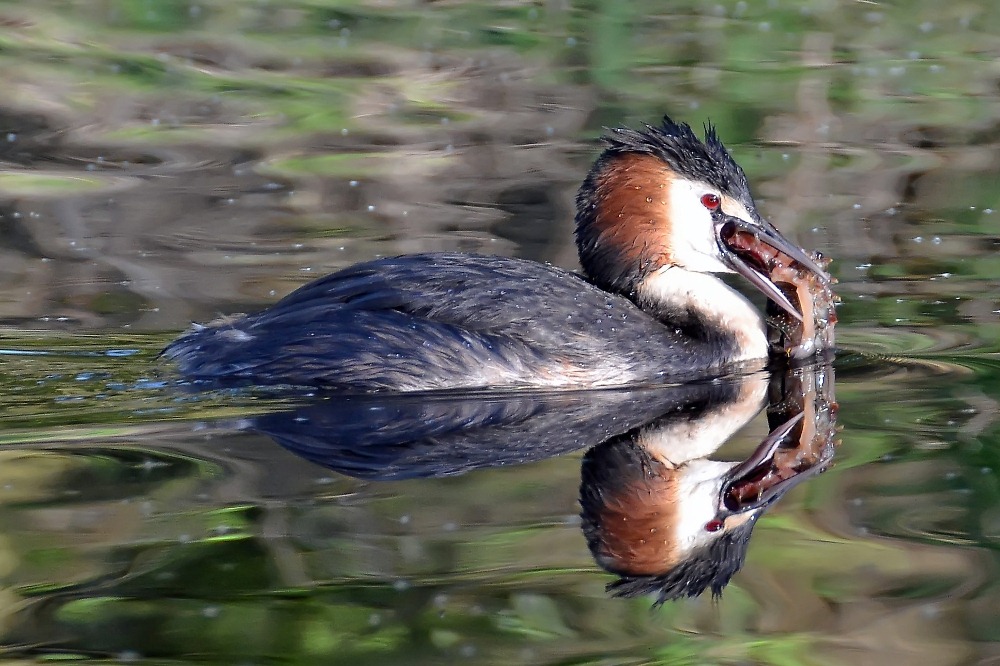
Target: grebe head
[
  {"x": 677, "y": 528},
  {"x": 660, "y": 199}
]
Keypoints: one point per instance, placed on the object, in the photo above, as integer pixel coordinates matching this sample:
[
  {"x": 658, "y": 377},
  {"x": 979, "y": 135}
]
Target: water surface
[{"x": 162, "y": 163}]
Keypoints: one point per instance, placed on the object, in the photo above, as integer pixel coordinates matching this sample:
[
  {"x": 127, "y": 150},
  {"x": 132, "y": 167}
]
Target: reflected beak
[
  {"x": 754, "y": 483},
  {"x": 749, "y": 250}
]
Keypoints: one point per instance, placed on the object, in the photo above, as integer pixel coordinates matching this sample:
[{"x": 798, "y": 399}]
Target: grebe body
[
  {"x": 445, "y": 321},
  {"x": 653, "y": 219}
]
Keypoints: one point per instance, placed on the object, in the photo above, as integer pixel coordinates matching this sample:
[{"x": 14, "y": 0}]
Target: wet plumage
[{"x": 443, "y": 321}]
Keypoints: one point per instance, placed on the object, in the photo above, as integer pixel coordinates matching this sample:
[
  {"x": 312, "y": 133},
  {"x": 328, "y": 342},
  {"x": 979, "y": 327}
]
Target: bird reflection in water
[
  {"x": 657, "y": 512},
  {"x": 671, "y": 522}
]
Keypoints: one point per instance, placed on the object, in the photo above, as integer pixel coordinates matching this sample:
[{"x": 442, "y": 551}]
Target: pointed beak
[
  {"x": 751, "y": 248},
  {"x": 757, "y": 482}
]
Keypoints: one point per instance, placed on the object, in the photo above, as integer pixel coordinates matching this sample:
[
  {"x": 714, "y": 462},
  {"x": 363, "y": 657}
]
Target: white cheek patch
[
  {"x": 692, "y": 231},
  {"x": 700, "y": 489},
  {"x": 733, "y": 207}
]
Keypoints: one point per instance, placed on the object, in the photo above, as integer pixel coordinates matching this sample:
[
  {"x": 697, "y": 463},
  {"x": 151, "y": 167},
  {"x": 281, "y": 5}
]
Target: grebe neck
[{"x": 704, "y": 308}]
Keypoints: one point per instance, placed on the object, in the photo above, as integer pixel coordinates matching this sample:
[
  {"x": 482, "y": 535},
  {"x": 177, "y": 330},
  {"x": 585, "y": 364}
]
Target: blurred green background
[{"x": 163, "y": 162}]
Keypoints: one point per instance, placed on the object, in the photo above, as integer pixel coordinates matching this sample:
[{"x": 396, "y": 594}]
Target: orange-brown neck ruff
[
  {"x": 622, "y": 225},
  {"x": 635, "y": 526}
]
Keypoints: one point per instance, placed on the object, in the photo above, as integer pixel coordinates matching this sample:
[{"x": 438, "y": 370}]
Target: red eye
[
  {"x": 710, "y": 201},
  {"x": 712, "y": 525}
]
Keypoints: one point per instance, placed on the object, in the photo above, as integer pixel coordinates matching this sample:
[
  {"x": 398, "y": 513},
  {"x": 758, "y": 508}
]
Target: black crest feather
[
  {"x": 712, "y": 566},
  {"x": 678, "y": 146}
]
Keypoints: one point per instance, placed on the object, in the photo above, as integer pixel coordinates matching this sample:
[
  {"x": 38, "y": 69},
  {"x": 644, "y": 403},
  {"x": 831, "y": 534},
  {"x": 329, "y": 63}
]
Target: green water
[{"x": 168, "y": 162}]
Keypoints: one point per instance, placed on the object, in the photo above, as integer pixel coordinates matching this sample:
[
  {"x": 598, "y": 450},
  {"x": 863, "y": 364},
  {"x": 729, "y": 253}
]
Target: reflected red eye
[
  {"x": 710, "y": 201},
  {"x": 712, "y": 525}
]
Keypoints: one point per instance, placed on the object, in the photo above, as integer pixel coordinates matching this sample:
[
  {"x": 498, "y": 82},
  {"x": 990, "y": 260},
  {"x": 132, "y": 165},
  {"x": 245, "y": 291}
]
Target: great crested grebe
[{"x": 655, "y": 218}]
